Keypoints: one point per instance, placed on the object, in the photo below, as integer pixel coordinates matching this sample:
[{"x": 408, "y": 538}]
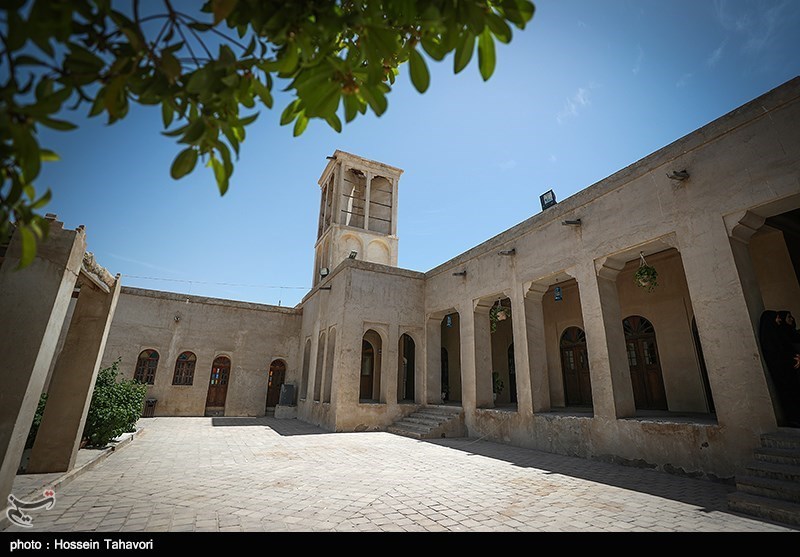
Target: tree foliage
[
  {"x": 115, "y": 407},
  {"x": 209, "y": 70}
]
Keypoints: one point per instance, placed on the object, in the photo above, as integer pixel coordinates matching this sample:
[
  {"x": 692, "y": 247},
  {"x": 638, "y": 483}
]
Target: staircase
[
  {"x": 770, "y": 486},
  {"x": 431, "y": 422}
]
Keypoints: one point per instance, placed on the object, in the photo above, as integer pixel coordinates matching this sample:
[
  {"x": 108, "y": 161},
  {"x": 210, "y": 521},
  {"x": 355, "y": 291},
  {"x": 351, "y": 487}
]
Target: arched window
[
  {"x": 146, "y": 367},
  {"x": 184, "y": 369}
]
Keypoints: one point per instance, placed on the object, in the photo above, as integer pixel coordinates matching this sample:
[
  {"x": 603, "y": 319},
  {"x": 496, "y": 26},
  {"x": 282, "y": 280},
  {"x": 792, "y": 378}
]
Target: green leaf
[
  {"x": 464, "y": 50},
  {"x": 246, "y": 121},
  {"x": 219, "y": 174},
  {"x": 300, "y": 125},
  {"x": 170, "y": 66},
  {"x": 167, "y": 113},
  {"x": 41, "y": 202},
  {"x": 289, "y": 112},
  {"x": 262, "y": 92},
  {"x": 184, "y": 163},
  {"x": 27, "y": 153},
  {"x": 194, "y": 132},
  {"x": 419, "y": 71},
  {"x": 222, "y": 9},
  {"x": 46, "y": 155},
  {"x": 61, "y": 125},
  {"x": 351, "y": 105},
  {"x": 334, "y": 122},
  {"x": 376, "y": 99},
  {"x": 499, "y": 28},
  {"x": 28, "y": 246},
  {"x": 486, "y": 55}
]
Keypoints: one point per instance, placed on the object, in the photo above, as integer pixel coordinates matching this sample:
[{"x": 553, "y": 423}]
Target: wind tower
[{"x": 357, "y": 213}]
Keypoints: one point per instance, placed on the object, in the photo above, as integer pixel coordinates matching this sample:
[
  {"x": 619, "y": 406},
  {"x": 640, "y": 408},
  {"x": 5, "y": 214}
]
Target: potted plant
[
  {"x": 645, "y": 276},
  {"x": 497, "y": 385},
  {"x": 498, "y": 313}
]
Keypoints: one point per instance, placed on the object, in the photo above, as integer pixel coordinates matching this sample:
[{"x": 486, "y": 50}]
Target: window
[
  {"x": 146, "y": 367},
  {"x": 184, "y": 369}
]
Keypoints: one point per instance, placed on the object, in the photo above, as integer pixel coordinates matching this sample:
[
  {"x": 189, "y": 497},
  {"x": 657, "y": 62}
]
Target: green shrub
[
  {"x": 37, "y": 421},
  {"x": 116, "y": 406}
]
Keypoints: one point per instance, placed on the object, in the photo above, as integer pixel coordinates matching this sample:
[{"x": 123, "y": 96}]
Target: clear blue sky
[{"x": 588, "y": 88}]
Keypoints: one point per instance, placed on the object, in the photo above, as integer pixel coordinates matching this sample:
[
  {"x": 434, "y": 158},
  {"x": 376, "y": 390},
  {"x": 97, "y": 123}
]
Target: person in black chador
[
  {"x": 789, "y": 331},
  {"x": 783, "y": 362}
]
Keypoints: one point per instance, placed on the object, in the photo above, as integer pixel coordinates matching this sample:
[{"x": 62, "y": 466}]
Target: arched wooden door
[
  {"x": 367, "y": 370},
  {"x": 218, "y": 383},
  {"x": 575, "y": 367},
  {"x": 648, "y": 383},
  {"x": 277, "y": 374}
]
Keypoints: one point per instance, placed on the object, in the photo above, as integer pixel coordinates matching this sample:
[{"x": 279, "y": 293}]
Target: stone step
[
  {"x": 425, "y": 419},
  {"x": 413, "y": 426},
  {"x": 778, "y": 456},
  {"x": 450, "y": 410},
  {"x": 764, "y": 507},
  {"x": 768, "y": 487},
  {"x": 398, "y": 430},
  {"x": 785, "y": 439},
  {"x": 444, "y": 416},
  {"x": 784, "y": 472}
]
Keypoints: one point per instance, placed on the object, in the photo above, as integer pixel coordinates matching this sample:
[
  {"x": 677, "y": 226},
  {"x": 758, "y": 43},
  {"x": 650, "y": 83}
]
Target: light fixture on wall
[
  {"x": 177, "y": 318},
  {"x": 353, "y": 255},
  {"x": 576, "y": 222},
  {"x": 325, "y": 287},
  {"x": 511, "y": 251},
  {"x": 460, "y": 274},
  {"x": 323, "y": 272},
  {"x": 547, "y": 199},
  {"x": 679, "y": 175},
  {"x": 557, "y": 294}
]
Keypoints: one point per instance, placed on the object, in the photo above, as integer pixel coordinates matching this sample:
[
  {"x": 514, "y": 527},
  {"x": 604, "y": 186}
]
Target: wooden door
[
  {"x": 218, "y": 383},
  {"x": 644, "y": 364},
  {"x": 367, "y": 371},
  {"x": 575, "y": 367},
  {"x": 277, "y": 374}
]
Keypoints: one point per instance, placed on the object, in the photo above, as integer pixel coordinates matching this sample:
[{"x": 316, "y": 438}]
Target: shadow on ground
[{"x": 281, "y": 427}]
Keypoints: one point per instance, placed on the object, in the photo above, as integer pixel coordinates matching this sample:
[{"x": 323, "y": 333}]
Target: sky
[{"x": 588, "y": 88}]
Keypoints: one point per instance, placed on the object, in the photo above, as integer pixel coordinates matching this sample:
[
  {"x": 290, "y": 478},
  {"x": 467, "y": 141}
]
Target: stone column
[
  {"x": 483, "y": 358},
  {"x": 33, "y": 305},
  {"x": 740, "y": 234},
  {"x": 433, "y": 361},
  {"x": 612, "y": 392},
  {"x": 389, "y": 362},
  {"x": 535, "y": 345},
  {"x": 521, "y": 358},
  {"x": 395, "y": 183},
  {"x": 730, "y": 345},
  {"x": 467, "y": 343},
  {"x": 367, "y": 194},
  {"x": 72, "y": 385}
]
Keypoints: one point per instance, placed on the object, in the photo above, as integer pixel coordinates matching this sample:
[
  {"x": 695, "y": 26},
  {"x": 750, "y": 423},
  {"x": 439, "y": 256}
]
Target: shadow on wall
[{"x": 281, "y": 427}]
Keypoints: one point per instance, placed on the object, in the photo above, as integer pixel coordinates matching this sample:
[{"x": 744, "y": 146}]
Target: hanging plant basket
[
  {"x": 646, "y": 275},
  {"x": 498, "y": 313}
]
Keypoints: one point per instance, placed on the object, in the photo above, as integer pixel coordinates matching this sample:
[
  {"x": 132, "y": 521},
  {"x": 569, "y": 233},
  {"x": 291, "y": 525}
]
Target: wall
[{"x": 251, "y": 335}]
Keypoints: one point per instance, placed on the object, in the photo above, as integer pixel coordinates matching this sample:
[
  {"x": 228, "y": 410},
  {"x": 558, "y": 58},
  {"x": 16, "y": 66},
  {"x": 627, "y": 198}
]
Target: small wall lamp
[
  {"x": 323, "y": 272},
  {"x": 679, "y": 175},
  {"x": 576, "y": 222},
  {"x": 460, "y": 274},
  {"x": 511, "y": 251}
]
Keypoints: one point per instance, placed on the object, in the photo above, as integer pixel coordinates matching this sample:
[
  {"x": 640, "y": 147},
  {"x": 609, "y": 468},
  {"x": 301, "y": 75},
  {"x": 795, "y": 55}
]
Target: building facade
[{"x": 591, "y": 364}]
